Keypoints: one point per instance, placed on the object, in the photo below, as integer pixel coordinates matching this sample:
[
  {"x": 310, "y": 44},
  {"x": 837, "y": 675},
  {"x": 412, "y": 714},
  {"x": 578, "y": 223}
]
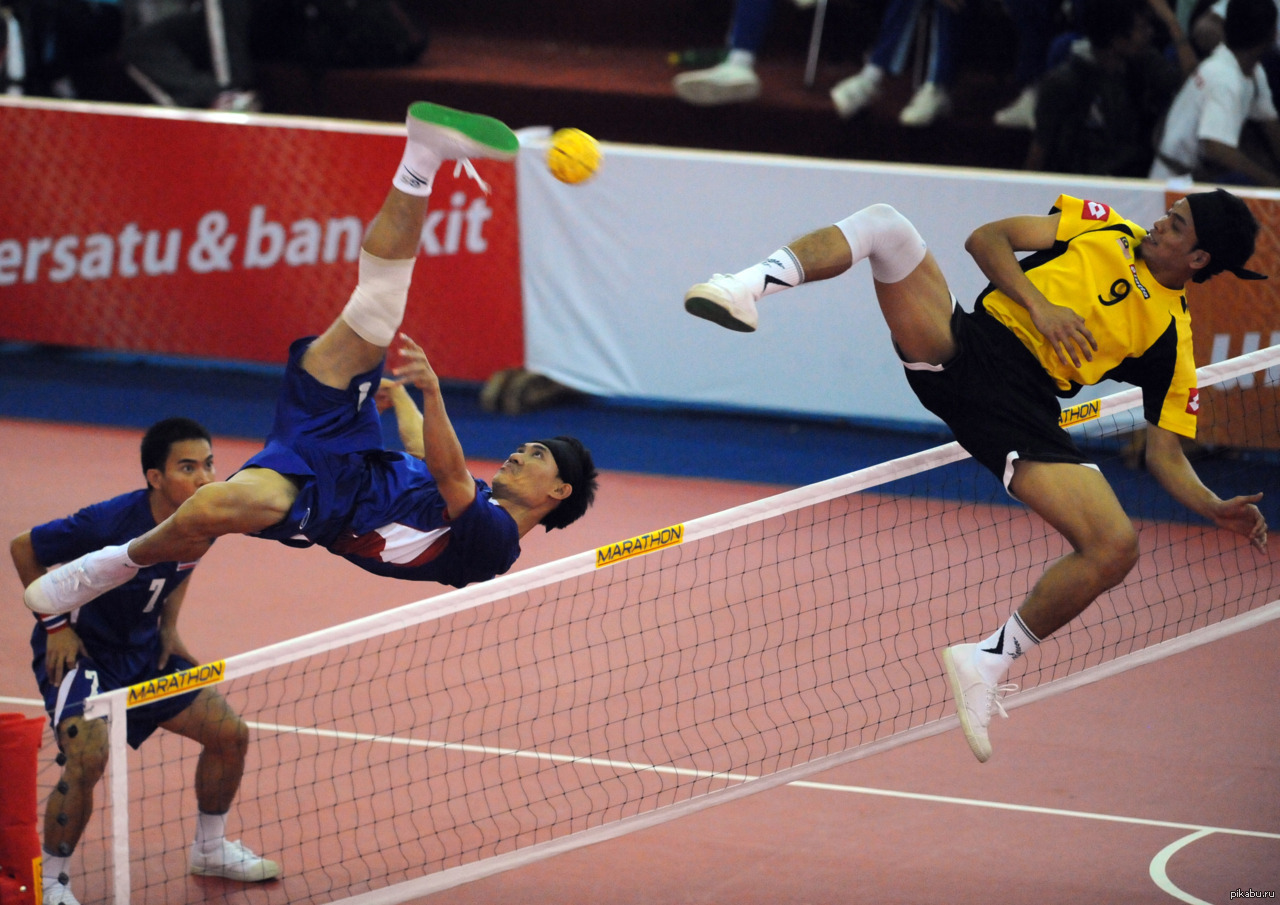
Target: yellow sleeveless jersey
[{"x": 1143, "y": 330}]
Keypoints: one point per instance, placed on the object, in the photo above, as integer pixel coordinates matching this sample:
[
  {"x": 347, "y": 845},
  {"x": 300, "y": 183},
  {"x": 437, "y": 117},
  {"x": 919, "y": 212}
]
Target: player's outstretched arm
[
  {"x": 442, "y": 450},
  {"x": 1168, "y": 463}
]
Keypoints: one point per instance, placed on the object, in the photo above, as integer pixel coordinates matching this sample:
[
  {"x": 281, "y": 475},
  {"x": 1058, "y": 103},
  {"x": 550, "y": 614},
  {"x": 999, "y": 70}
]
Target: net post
[{"x": 114, "y": 706}]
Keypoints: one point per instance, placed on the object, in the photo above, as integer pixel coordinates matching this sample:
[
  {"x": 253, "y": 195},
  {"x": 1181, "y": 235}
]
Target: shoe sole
[
  {"x": 712, "y": 311},
  {"x": 494, "y": 135},
  {"x": 980, "y": 747},
  {"x": 260, "y": 877},
  {"x": 703, "y": 95}
]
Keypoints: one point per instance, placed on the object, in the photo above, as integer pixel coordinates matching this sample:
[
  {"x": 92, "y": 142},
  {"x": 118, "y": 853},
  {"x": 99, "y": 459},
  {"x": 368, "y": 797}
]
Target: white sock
[
  {"x": 739, "y": 57},
  {"x": 781, "y": 270},
  {"x": 872, "y": 73},
  {"x": 417, "y": 170},
  {"x": 887, "y": 238},
  {"x": 377, "y": 305},
  {"x": 211, "y": 829},
  {"x": 53, "y": 868},
  {"x": 995, "y": 655},
  {"x": 111, "y": 563}
]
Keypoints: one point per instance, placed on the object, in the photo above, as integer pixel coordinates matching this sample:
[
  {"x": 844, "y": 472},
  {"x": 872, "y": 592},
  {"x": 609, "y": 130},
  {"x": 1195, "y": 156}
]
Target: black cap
[{"x": 1226, "y": 229}]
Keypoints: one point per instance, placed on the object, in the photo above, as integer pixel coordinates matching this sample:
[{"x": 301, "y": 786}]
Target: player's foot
[
  {"x": 74, "y": 584},
  {"x": 729, "y": 82},
  {"x": 231, "y": 861},
  {"x": 57, "y": 894},
  {"x": 455, "y": 135},
  {"x": 723, "y": 300},
  {"x": 976, "y": 699}
]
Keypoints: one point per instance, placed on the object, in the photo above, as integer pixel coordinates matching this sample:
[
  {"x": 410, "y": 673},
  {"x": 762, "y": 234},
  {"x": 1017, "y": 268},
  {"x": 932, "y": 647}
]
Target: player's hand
[
  {"x": 62, "y": 650},
  {"x": 414, "y": 367},
  {"x": 171, "y": 645},
  {"x": 1064, "y": 331},
  {"x": 1241, "y": 515},
  {"x": 385, "y": 397}
]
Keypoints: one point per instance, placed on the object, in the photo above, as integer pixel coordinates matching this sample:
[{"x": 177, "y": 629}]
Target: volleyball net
[{"x": 471, "y": 732}]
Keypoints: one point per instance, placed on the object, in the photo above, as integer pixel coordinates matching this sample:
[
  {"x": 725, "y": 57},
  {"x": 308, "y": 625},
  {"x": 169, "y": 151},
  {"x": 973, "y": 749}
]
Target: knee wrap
[{"x": 377, "y": 306}]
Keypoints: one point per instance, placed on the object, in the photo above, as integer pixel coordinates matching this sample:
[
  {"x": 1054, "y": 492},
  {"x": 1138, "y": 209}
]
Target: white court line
[
  {"x": 1161, "y": 861},
  {"x": 687, "y": 772},
  {"x": 1157, "y": 869}
]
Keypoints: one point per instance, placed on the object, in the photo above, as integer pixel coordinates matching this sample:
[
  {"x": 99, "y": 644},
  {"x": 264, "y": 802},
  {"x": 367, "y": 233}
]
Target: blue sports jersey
[
  {"x": 121, "y": 629},
  {"x": 123, "y": 625},
  {"x": 380, "y": 510}
]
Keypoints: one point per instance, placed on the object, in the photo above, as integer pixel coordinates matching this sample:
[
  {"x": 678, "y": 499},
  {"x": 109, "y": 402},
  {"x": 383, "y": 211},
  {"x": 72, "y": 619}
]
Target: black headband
[{"x": 568, "y": 461}]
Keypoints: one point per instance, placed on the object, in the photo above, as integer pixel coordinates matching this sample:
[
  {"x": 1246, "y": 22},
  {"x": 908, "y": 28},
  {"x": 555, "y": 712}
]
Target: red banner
[{"x": 228, "y": 237}]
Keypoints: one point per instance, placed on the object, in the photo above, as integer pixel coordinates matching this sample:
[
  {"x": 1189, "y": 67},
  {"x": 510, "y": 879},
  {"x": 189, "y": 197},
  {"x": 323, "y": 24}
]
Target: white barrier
[{"x": 605, "y": 266}]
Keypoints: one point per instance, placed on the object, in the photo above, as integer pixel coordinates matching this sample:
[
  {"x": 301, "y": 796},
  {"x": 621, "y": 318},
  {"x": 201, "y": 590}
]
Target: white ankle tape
[
  {"x": 377, "y": 306},
  {"x": 887, "y": 238}
]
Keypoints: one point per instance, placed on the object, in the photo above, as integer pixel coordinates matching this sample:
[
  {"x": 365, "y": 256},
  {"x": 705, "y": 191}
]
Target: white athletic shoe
[
  {"x": 57, "y": 894},
  {"x": 231, "y": 861},
  {"x": 976, "y": 699},
  {"x": 929, "y": 103},
  {"x": 726, "y": 83},
  {"x": 455, "y": 135},
  {"x": 724, "y": 300},
  {"x": 74, "y": 584},
  {"x": 1021, "y": 114},
  {"x": 855, "y": 92}
]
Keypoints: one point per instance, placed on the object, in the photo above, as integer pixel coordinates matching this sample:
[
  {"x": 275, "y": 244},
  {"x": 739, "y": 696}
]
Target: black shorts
[{"x": 996, "y": 397}]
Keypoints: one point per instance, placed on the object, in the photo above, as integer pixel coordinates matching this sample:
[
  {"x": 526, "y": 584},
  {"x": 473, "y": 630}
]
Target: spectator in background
[
  {"x": 932, "y": 99},
  {"x": 1206, "y": 121},
  {"x": 1098, "y": 110},
  {"x": 1034, "y": 21},
  {"x": 168, "y": 48},
  {"x": 735, "y": 79}
]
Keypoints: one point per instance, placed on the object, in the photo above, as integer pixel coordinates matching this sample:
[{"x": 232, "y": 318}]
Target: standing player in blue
[
  {"x": 127, "y": 636},
  {"x": 323, "y": 477},
  {"x": 1099, "y": 298}
]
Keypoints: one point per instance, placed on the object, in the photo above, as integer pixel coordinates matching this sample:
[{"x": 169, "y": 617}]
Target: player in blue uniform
[
  {"x": 1100, "y": 297},
  {"x": 127, "y": 636},
  {"x": 323, "y": 476}
]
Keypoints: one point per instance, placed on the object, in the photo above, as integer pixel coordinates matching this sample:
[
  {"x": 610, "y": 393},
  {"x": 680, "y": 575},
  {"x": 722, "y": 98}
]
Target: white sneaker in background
[
  {"x": 930, "y": 102},
  {"x": 855, "y": 92},
  {"x": 1021, "y": 114},
  {"x": 726, "y": 83}
]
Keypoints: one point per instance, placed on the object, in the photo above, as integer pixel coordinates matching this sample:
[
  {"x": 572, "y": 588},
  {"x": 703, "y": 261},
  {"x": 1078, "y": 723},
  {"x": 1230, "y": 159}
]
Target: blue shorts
[
  {"x": 322, "y": 437},
  {"x": 89, "y": 677}
]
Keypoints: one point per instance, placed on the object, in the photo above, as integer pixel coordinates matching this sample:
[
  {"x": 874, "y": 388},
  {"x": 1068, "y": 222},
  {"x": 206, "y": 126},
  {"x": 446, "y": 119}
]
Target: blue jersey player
[
  {"x": 323, "y": 476},
  {"x": 130, "y": 635}
]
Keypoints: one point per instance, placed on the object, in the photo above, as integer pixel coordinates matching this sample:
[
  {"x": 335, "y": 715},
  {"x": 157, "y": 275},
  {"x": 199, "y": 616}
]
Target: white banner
[{"x": 605, "y": 266}]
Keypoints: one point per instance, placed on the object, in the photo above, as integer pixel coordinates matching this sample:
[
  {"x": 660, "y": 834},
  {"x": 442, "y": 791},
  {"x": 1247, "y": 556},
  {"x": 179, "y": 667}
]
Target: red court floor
[{"x": 1158, "y": 785}]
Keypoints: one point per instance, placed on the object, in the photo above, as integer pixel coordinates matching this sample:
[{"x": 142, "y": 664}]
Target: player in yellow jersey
[{"x": 1098, "y": 297}]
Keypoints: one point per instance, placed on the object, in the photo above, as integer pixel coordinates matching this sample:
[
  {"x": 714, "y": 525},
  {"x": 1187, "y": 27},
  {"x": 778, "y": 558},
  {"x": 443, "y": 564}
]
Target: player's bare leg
[
  {"x": 224, "y": 740},
  {"x": 250, "y": 501},
  {"x": 1079, "y": 503},
  {"x": 909, "y": 285},
  {"x": 359, "y": 338}
]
